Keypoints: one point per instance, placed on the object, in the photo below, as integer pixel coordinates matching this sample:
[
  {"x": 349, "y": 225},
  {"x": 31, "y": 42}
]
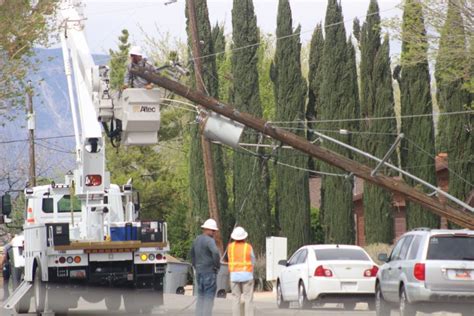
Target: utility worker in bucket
[
  {"x": 241, "y": 261},
  {"x": 137, "y": 59}
]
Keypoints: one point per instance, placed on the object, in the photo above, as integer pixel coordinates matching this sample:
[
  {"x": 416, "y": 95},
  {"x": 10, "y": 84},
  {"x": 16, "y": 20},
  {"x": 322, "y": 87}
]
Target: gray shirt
[
  {"x": 205, "y": 256},
  {"x": 135, "y": 81}
]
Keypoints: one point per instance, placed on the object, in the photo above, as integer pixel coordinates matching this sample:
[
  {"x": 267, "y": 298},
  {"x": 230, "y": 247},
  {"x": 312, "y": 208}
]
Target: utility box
[
  {"x": 140, "y": 116},
  {"x": 276, "y": 250}
]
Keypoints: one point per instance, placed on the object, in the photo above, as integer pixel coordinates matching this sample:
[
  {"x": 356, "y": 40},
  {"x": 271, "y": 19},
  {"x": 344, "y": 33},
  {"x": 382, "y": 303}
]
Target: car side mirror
[
  {"x": 6, "y": 204},
  {"x": 283, "y": 263},
  {"x": 383, "y": 257}
]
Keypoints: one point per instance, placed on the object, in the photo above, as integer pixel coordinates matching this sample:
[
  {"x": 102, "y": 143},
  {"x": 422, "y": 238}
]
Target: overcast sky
[{"x": 106, "y": 18}]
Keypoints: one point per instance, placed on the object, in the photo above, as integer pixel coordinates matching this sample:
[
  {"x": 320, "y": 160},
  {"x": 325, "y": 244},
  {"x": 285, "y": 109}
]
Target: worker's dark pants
[
  {"x": 6, "y": 292},
  {"x": 206, "y": 291}
]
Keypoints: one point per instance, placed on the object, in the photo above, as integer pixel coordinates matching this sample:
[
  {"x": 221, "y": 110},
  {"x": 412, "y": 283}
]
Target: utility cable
[{"x": 37, "y": 138}]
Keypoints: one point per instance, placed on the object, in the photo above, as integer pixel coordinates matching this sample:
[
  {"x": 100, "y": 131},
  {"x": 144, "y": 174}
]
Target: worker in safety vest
[
  {"x": 241, "y": 261},
  {"x": 137, "y": 59},
  {"x": 206, "y": 261}
]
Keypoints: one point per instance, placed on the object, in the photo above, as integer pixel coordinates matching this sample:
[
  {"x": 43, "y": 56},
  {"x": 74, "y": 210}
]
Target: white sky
[{"x": 106, "y": 18}]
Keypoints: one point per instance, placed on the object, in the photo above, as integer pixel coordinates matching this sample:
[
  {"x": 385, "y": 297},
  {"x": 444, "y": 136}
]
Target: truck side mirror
[
  {"x": 6, "y": 204},
  {"x": 136, "y": 200},
  {"x": 383, "y": 257}
]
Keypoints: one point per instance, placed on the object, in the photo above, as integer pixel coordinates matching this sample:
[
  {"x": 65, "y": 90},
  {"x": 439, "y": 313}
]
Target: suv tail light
[
  {"x": 371, "y": 272},
  {"x": 419, "y": 271},
  {"x": 322, "y": 272}
]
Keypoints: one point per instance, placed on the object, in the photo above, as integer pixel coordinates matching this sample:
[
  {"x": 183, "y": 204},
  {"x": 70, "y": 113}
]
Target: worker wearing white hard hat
[
  {"x": 137, "y": 60},
  {"x": 241, "y": 260},
  {"x": 205, "y": 258}
]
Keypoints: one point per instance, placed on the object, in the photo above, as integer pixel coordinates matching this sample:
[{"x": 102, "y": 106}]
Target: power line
[
  {"x": 38, "y": 138},
  {"x": 374, "y": 118}
]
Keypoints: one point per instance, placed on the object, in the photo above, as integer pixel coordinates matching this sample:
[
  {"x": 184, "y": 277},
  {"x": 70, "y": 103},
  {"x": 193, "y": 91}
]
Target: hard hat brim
[{"x": 208, "y": 227}]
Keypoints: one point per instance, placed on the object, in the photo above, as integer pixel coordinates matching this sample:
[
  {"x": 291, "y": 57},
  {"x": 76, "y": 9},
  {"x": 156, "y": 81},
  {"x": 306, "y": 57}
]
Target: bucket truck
[{"x": 84, "y": 233}]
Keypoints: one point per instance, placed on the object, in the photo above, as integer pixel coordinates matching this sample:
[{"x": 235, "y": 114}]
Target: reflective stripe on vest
[{"x": 240, "y": 257}]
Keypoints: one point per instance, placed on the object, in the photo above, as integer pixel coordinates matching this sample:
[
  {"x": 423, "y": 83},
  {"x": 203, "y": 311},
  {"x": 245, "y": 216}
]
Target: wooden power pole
[
  {"x": 453, "y": 214},
  {"x": 205, "y": 143},
  {"x": 31, "y": 136}
]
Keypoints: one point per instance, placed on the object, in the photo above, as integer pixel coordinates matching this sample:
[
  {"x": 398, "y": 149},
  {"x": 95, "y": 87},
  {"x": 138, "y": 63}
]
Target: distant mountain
[{"x": 53, "y": 120}]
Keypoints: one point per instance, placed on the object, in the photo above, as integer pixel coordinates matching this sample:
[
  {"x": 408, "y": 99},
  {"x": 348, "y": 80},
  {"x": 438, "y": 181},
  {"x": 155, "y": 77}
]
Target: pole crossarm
[{"x": 453, "y": 214}]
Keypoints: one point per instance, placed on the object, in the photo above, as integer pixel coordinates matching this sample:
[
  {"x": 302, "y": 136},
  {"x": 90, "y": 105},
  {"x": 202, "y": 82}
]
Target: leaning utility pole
[
  {"x": 205, "y": 143},
  {"x": 455, "y": 215},
  {"x": 31, "y": 135}
]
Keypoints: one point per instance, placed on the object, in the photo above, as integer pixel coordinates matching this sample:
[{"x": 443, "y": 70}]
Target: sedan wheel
[
  {"x": 382, "y": 308},
  {"x": 303, "y": 302},
  {"x": 280, "y": 301},
  {"x": 406, "y": 309}
]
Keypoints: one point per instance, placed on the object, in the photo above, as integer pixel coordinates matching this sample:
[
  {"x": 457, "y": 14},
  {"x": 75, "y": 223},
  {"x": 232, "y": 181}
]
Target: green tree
[
  {"x": 418, "y": 146},
  {"x": 24, "y": 24},
  {"x": 198, "y": 190},
  {"x": 292, "y": 186},
  {"x": 376, "y": 101},
  {"x": 251, "y": 180},
  {"x": 314, "y": 79},
  {"x": 454, "y": 132},
  {"x": 118, "y": 61},
  {"x": 338, "y": 101}
]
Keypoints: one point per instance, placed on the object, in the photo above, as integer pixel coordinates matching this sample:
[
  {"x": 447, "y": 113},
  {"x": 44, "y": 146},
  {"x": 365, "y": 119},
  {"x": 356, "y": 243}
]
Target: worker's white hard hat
[
  {"x": 239, "y": 233},
  {"x": 210, "y": 224},
  {"x": 135, "y": 50}
]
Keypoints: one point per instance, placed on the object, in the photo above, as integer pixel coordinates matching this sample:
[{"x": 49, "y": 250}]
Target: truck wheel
[
  {"x": 130, "y": 303},
  {"x": 113, "y": 302},
  {"x": 39, "y": 289}
]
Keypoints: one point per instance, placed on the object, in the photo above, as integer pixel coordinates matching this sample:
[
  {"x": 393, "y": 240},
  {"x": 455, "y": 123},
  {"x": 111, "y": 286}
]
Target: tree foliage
[
  {"x": 338, "y": 101},
  {"x": 118, "y": 61},
  {"x": 376, "y": 101},
  {"x": 292, "y": 187},
  {"x": 251, "y": 180},
  {"x": 435, "y": 13},
  {"x": 455, "y": 132},
  {"x": 418, "y": 146},
  {"x": 24, "y": 24},
  {"x": 198, "y": 190}
]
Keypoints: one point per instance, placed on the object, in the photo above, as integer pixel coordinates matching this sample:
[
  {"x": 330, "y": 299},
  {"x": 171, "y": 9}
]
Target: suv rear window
[
  {"x": 451, "y": 248},
  {"x": 340, "y": 254}
]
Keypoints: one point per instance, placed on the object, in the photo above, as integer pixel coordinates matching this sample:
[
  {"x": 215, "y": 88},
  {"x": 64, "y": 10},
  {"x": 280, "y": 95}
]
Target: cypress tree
[
  {"x": 456, "y": 136},
  {"x": 314, "y": 78},
  {"x": 292, "y": 186},
  {"x": 376, "y": 101},
  {"x": 418, "y": 147},
  {"x": 118, "y": 61},
  {"x": 198, "y": 190},
  {"x": 338, "y": 101},
  {"x": 251, "y": 180}
]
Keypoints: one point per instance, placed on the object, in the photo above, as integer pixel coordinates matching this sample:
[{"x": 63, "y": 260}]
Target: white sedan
[{"x": 327, "y": 274}]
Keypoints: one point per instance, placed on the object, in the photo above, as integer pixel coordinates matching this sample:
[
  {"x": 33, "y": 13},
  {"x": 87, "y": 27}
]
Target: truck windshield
[
  {"x": 64, "y": 204},
  {"x": 451, "y": 248},
  {"x": 341, "y": 254}
]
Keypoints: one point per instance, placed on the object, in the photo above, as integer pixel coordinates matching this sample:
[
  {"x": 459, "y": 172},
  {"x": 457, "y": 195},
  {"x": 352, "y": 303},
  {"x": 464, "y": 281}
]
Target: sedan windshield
[
  {"x": 341, "y": 254},
  {"x": 451, "y": 248}
]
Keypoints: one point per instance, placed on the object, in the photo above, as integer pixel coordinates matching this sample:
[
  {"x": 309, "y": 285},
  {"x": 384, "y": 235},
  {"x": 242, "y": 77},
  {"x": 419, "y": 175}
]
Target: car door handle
[
  {"x": 399, "y": 268},
  {"x": 389, "y": 269}
]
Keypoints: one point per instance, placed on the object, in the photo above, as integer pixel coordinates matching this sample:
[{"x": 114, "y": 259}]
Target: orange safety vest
[{"x": 240, "y": 257}]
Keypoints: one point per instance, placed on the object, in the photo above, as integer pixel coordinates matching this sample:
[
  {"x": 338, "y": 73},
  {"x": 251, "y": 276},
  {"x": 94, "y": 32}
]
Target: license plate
[{"x": 348, "y": 286}]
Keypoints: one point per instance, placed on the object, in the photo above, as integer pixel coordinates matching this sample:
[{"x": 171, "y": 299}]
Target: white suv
[{"x": 428, "y": 270}]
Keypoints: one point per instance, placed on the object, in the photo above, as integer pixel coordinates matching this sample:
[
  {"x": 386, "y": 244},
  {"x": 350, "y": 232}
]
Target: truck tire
[
  {"x": 113, "y": 302},
  {"x": 39, "y": 290}
]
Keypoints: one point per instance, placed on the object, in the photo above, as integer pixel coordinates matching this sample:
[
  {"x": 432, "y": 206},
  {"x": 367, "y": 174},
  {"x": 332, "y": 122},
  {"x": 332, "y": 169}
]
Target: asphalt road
[{"x": 185, "y": 305}]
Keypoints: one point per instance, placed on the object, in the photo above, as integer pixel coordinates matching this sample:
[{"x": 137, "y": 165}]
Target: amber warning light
[{"x": 93, "y": 180}]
